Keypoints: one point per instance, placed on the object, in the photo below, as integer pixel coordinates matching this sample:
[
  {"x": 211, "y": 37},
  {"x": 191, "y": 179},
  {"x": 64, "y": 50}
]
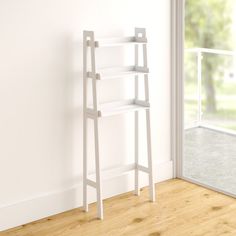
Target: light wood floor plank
[{"x": 182, "y": 209}]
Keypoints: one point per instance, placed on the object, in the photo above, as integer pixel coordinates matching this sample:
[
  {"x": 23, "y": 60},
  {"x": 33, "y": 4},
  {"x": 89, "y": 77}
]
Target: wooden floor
[{"x": 182, "y": 209}]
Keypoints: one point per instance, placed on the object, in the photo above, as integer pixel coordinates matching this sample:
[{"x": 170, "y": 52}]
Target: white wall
[{"x": 41, "y": 100}]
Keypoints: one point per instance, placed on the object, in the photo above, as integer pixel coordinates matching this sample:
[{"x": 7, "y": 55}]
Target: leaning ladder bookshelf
[{"x": 97, "y": 110}]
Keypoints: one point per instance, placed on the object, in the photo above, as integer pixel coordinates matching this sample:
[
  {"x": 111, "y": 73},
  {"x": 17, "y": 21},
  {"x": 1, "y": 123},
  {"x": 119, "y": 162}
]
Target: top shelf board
[{"x": 112, "y": 42}]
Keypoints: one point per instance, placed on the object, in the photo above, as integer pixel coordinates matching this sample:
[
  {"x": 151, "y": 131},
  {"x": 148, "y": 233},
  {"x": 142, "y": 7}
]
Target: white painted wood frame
[
  {"x": 177, "y": 78},
  {"x": 114, "y": 108}
]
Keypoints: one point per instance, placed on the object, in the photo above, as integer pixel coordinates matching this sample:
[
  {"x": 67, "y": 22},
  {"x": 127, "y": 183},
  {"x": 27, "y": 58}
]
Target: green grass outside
[{"x": 226, "y": 105}]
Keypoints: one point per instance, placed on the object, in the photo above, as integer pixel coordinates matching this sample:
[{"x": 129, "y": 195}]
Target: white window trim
[{"x": 177, "y": 74}]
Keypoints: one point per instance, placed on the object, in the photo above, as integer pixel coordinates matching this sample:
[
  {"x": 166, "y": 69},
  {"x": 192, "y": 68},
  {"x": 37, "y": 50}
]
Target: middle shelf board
[
  {"x": 119, "y": 72},
  {"x": 118, "y": 107},
  {"x": 113, "y": 42}
]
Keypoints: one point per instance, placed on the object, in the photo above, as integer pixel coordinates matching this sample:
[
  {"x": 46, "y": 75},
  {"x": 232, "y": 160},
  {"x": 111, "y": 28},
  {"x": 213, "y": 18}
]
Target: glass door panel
[{"x": 210, "y": 94}]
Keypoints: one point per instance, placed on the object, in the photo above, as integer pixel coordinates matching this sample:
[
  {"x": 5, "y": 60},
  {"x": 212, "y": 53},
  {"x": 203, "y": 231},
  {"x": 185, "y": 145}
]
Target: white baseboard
[{"x": 43, "y": 206}]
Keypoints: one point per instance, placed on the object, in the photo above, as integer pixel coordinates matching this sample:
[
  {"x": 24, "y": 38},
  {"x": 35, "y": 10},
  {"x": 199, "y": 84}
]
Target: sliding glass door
[{"x": 209, "y": 155}]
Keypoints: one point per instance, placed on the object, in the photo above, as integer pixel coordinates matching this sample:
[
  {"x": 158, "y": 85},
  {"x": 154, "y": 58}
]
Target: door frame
[
  {"x": 177, "y": 88},
  {"x": 177, "y": 93}
]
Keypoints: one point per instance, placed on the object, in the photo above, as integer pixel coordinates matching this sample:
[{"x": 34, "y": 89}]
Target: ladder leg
[
  {"x": 149, "y": 151},
  {"x": 95, "y": 108},
  {"x": 137, "y": 190},
  {"x": 136, "y": 123},
  {"x": 150, "y": 167},
  {"x": 85, "y": 202},
  {"x": 98, "y": 171}
]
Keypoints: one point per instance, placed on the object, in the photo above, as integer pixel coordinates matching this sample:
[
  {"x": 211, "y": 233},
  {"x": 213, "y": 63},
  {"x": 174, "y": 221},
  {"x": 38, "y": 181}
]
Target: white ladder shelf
[{"x": 114, "y": 108}]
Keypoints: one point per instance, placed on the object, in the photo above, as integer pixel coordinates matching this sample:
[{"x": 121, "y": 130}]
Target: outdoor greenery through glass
[{"x": 209, "y": 24}]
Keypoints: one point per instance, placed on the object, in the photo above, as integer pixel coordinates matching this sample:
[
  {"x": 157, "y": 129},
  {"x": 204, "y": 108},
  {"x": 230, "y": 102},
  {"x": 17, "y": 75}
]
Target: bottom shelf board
[{"x": 119, "y": 107}]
